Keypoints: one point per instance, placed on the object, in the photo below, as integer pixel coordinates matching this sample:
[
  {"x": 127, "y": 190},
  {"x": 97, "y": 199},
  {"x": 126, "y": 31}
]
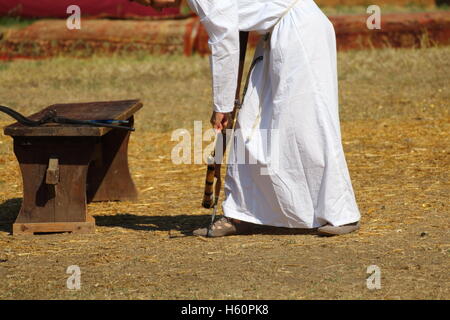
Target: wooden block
[
  {"x": 59, "y": 162},
  {"x": 73, "y": 227},
  {"x": 52, "y": 176}
]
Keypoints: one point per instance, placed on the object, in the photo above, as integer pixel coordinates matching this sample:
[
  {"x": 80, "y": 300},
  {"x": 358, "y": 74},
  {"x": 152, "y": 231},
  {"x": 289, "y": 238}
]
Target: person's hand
[{"x": 220, "y": 120}]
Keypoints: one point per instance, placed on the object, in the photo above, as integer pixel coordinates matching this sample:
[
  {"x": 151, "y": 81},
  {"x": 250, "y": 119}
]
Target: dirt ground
[{"x": 398, "y": 157}]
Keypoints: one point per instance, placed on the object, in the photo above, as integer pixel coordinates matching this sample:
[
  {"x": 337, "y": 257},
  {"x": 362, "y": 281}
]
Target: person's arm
[{"x": 220, "y": 19}]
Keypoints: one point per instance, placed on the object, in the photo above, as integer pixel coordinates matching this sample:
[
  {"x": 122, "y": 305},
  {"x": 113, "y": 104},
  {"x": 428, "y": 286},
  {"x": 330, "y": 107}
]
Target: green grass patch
[
  {"x": 176, "y": 90},
  {"x": 14, "y": 23}
]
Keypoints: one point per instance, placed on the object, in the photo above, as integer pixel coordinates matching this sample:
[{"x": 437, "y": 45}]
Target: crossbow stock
[{"x": 51, "y": 116}]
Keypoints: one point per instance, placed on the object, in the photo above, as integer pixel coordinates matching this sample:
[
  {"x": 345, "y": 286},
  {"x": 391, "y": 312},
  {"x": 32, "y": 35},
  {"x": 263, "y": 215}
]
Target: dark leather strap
[{"x": 243, "y": 40}]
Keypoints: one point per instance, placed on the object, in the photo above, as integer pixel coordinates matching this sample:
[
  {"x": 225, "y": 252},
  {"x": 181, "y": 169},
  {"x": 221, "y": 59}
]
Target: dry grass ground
[{"x": 395, "y": 126}]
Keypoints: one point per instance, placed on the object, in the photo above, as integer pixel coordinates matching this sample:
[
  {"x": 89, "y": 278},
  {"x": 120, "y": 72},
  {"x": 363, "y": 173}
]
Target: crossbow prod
[{"x": 50, "y": 116}]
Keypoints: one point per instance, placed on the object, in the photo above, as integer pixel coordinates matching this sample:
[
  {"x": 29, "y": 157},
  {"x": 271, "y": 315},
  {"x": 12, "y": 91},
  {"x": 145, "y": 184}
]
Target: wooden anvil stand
[{"x": 66, "y": 166}]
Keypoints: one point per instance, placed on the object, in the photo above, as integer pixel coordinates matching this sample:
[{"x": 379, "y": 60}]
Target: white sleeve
[{"x": 220, "y": 19}]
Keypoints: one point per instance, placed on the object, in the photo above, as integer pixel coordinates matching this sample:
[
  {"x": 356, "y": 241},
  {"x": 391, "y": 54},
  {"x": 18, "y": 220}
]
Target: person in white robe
[{"x": 288, "y": 123}]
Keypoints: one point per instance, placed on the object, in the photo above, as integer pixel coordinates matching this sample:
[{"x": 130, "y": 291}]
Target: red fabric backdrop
[{"x": 93, "y": 8}]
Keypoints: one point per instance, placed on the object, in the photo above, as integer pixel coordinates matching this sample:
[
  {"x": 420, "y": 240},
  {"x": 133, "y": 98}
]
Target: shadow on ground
[
  {"x": 184, "y": 224},
  {"x": 181, "y": 223},
  {"x": 8, "y": 213}
]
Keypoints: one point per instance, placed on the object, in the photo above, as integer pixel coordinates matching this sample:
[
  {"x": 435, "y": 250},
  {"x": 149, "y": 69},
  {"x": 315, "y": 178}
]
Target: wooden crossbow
[
  {"x": 213, "y": 181},
  {"x": 51, "y": 117}
]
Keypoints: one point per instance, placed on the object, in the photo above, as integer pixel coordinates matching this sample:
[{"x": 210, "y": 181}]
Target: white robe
[{"x": 300, "y": 179}]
